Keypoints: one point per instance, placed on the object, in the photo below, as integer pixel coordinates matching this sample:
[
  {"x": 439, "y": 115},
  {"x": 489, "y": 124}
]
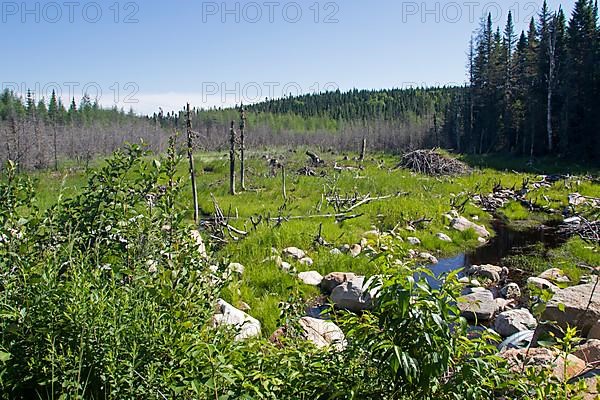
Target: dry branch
[{"x": 431, "y": 162}]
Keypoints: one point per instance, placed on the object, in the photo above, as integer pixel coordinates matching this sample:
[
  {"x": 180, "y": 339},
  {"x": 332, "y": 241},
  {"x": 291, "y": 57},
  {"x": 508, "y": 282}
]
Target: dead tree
[
  {"x": 242, "y": 148},
  {"x": 283, "y": 189},
  {"x": 232, "y": 159},
  {"x": 190, "y": 149},
  {"x": 363, "y": 149}
]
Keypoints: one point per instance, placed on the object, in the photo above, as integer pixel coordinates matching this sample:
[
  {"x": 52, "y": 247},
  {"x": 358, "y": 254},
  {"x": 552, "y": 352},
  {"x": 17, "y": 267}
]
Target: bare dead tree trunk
[
  {"x": 283, "y": 189},
  {"x": 232, "y": 159},
  {"x": 242, "y": 148},
  {"x": 190, "y": 149},
  {"x": 363, "y": 149},
  {"x": 55, "y": 146}
]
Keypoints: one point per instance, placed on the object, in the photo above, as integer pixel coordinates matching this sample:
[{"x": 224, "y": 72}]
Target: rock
[
  {"x": 364, "y": 242},
  {"x": 595, "y": 331},
  {"x": 286, "y": 267},
  {"x": 312, "y": 278},
  {"x": 410, "y": 228},
  {"x": 236, "y": 268},
  {"x": 490, "y": 272},
  {"x": 579, "y": 311},
  {"x": 592, "y": 389},
  {"x": 277, "y": 260},
  {"x": 541, "y": 284},
  {"x": 355, "y": 250},
  {"x": 478, "y": 306},
  {"x": 589, "y": 351},
  {"x": 336, "y": 252},
  {"x": 323, "y": 333},
  {"x": 474, "y": 289},
  {"x": 307, "y": 261},
  {"x": 504, "y": 304},
  {"x": 228, "y": 315},
  {"x": 554, "y": 275},
  {"x": 511, "y": 291},
  {"x": 334, "y": 279},
  {"x": 543, "y": 357},
  {"x": 414, "y": 241},
  {"x": 513, "y": 321},
  {"x": 244, "y": 306},
  {"x": 353, "y": 295},
  {"x": 575, "y": 199},
  {"x": 481, "y": 240},
  {"x": 199, "y": 242},
  {"x": 428, "y": 257},
  {"x": 443, "y": 237},
  {"x": 462, "y": 224},
  {"x": 294, "y": 252},
  {"x": 345, "y": 248}
]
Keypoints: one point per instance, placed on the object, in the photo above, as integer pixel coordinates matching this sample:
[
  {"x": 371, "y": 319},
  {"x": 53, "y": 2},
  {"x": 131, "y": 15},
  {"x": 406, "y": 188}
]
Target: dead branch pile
[
  {"x": 431, "y": 162},
  {"x": 581, "y": 226},
  {"x": 307, "y": 171},
  {"x": 218, "y": 225}
]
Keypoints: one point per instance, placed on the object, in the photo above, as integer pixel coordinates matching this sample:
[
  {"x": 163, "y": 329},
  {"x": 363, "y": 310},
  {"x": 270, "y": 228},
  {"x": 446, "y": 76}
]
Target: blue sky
[{"x": 156, "y": 53}]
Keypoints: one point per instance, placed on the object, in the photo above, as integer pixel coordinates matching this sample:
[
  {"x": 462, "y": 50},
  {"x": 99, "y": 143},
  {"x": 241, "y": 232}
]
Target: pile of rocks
[{"x": 501, "y": 307}]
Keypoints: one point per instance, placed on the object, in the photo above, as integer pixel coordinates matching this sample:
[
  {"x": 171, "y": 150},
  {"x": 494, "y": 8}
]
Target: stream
[{"x": 507, "y": 242}]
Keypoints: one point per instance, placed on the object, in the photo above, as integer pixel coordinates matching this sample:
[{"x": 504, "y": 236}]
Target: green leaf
[{"x": 4, "y": 356}]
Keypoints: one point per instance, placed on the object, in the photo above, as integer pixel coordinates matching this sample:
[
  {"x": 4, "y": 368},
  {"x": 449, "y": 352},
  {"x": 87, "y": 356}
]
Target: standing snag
[
  {"x": 232, "y": 159},
  {"x": 242, "y": 147},
  {"x": 190, "y": 150}
]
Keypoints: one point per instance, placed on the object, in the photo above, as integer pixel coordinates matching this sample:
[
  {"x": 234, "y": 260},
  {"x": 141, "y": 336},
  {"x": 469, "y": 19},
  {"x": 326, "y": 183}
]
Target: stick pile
[{"x": 431, "y": 162}]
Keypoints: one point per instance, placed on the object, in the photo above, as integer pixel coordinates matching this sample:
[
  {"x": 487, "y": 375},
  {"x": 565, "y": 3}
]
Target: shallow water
[{"x": 508, "y": 241}]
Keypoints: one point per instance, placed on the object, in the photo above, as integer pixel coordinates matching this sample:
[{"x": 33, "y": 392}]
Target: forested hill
[{"x": 363, "y": 104}]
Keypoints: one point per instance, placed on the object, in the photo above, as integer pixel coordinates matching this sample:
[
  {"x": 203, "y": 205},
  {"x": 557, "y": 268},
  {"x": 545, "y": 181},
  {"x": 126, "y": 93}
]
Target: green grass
[
  {"x": 570, "y": 257},
  {"x": 264, "y": 286}
]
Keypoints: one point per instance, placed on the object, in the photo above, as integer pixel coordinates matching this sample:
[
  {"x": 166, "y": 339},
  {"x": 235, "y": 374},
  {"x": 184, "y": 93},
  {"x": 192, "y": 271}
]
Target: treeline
[
  {"x": 40, "y": 134},
  {"x": 391, "y": 120},
  {"x": 535, "y": 93}
]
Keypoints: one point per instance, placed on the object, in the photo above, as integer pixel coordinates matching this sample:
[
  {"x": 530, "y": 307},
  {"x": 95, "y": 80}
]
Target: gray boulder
[
  {"x": 478, "y": 306},
  {"x": 355, "y": 295},
  {"x": 312, "y": 278},
  {"x": 323, "y": 333},
  {"x": 228, "y": 315},
  {"x": 581, "y": 305},
  {"x": 555, "y": 275},
  {"x": 513, "y": 321},
  {"x": 334, "y": 279},
  {"x": 490, "y": 272},
  {"x": 462, "y": 224},
  {"x": 294, "y": 252},
  {"x": 541, "y": 283},
  {"x": 443, "y": 237}
]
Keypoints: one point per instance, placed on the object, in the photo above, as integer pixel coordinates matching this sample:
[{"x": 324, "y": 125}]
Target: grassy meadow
[{"x": 264, "y": 285}]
